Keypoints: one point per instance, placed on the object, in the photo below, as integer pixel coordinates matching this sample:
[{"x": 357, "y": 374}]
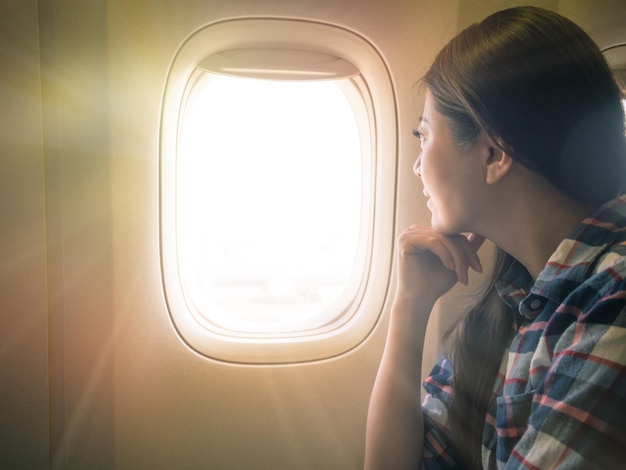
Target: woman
[{"x": 522, "y": 140}]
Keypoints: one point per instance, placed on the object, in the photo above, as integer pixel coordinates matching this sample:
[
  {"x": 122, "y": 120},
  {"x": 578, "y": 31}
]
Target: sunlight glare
[{"x": 269, "y": 189}]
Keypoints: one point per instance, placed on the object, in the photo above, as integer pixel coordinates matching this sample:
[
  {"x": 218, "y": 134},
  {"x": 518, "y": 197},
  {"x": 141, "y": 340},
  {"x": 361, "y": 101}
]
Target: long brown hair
[{"x": 540, "y": 87}]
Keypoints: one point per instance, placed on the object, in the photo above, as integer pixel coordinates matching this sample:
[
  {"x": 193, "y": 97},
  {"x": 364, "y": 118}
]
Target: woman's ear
[{"x": 498, "y": 164}]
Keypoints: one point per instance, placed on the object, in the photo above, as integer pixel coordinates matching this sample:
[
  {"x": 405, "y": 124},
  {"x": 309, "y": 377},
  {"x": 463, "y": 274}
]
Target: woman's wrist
[
  {"x": 416, "y": 301},
  {"x": 411, "y": 311}
]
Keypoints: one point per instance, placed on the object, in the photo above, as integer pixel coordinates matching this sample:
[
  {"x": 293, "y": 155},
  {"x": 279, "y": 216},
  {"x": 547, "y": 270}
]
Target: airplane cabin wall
[
  {"x": 94, "y": 374},
  {"x": 23, "y": 322},
  {"x": 190, "y": 411}
]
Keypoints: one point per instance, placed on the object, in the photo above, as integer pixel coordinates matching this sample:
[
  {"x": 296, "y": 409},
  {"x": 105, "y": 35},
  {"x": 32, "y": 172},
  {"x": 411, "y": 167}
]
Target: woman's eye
[{"x": 419, "y": 135}]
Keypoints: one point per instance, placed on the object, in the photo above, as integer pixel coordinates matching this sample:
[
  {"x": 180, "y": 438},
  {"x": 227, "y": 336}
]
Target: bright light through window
[
  {"x": 277, "y": 168},
  {"x": 269, "y": 202}
]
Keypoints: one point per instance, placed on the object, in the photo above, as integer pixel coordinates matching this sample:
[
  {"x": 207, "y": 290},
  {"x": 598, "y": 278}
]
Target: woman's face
[{"x": 452, "y": 177}]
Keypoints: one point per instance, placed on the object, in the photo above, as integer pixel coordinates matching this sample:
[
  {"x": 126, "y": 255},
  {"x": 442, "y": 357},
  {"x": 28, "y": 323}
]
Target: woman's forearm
[
  {"x": 429, "y": 264},
  {"x": 394, "y": 423}
]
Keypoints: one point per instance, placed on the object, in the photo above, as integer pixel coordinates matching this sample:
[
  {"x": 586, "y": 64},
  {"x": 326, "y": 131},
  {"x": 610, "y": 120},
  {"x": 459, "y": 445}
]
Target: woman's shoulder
[
  {"x": 612, "y": 261},
  {"x": 603, "y": 242}
]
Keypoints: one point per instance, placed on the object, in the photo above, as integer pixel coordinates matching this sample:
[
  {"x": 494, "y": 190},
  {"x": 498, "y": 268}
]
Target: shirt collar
[{"x": 570, "y": 263}]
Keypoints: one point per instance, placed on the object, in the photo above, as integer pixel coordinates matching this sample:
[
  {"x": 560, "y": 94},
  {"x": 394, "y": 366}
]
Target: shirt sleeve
[
  {"x": 578, "y": 410},
  {"x": 438, "y": 453}
]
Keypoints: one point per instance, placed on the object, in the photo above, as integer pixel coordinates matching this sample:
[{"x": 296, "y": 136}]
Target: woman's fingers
[
  {"x": 474, "y": 244},
  {"x": 476, "y": 241},
  {"x": 466, "y": 254},
  {"x": 456, "y": 252},
  {"x": 419, "y": 240}
]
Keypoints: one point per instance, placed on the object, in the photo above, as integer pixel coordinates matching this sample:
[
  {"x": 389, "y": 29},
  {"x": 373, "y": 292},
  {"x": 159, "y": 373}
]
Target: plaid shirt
[{"x": 560, "y": 396}]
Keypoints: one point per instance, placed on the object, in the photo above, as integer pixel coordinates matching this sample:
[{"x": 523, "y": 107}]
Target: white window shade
[{"x": 278, "y": 64}]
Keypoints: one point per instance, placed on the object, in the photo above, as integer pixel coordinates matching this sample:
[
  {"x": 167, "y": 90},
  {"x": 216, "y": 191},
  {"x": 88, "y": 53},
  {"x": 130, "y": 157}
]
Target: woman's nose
[{"x": 417, "y": 166}]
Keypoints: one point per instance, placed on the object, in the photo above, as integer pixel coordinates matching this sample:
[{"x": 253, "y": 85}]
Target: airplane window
[
  {"x": 277, "y": 190},
  {"x": 269, "y": 201}
]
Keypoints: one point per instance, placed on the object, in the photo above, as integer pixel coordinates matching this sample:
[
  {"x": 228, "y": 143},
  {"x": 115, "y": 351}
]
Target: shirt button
[{"x": 535, "y": 304}]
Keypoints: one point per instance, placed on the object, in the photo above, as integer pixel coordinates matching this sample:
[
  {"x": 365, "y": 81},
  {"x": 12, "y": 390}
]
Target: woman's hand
[{"x": 430, "y": 263}]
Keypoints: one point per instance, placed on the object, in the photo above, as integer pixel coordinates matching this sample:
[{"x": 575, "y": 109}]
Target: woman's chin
[{"x": 439, "y": 225}]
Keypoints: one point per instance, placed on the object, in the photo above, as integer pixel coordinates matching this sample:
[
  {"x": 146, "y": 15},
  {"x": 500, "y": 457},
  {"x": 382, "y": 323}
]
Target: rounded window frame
[{"x": 373, "y": 82}]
